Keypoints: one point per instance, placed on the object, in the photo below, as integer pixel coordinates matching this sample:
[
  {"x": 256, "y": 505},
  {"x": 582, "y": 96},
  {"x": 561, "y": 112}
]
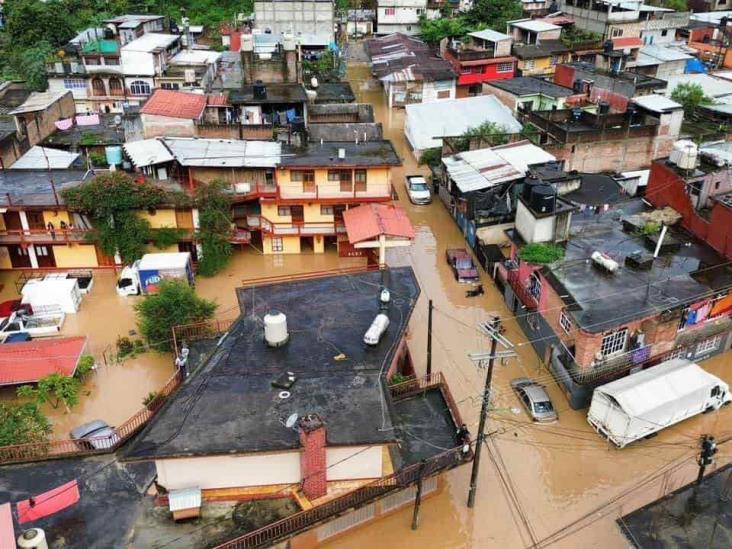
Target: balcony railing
[
  {"x": 422, "y": 384},
  {"x": 294, "y": 228},
  {"x": 334, "y": 191},
  {"x": 471, "y": 53},
  {"x": 30, "y": 236},
  {"x": 305, "y": 520}
]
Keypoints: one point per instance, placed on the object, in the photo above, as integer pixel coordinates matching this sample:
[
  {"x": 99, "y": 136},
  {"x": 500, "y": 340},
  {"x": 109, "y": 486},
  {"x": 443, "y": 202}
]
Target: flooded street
[{"x": 561, "y": 474}]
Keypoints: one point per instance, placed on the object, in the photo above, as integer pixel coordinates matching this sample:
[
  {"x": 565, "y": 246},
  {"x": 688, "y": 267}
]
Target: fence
[
  {"x": 312, "y": 275},
  {"x": 54, "y": 449},
  {"x": 200, "y": 330},
  {"x": 304, "y": 520}
]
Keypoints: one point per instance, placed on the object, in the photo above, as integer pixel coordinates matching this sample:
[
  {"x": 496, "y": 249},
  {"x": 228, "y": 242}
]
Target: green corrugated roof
[{"x": 101, "y": 46}]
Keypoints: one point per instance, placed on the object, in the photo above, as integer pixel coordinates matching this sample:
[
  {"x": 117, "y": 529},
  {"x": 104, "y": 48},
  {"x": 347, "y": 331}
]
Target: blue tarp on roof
[{"x": 695, "y": 66}]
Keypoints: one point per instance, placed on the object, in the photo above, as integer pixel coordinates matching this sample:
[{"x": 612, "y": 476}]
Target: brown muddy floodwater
[{"x": 564, "y": 476}]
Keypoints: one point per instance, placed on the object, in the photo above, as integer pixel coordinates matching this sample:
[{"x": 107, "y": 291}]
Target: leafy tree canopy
[
  {"x": 54, "y": 388},
  {"x": 494, "y": 13},
  {"x": 214, "y": 215},
  {"x": 690, "y": 95},
  {"x": 22, "y": 423},
  {"x": 176, "y": 303}
]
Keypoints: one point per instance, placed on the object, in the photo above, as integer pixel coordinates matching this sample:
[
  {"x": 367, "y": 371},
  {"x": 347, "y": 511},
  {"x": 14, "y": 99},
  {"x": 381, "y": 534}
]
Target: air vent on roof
[
  {"x": 285, "y": 381},
  {"x": 639, "y": 261}
]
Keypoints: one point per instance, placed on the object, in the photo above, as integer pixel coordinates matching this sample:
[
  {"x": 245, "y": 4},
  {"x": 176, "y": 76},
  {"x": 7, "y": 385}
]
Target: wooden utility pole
[
  {"x": 429, "y": 339},
  {"x": 418, "y": 496},
  {"x": 492, "y": 329}
]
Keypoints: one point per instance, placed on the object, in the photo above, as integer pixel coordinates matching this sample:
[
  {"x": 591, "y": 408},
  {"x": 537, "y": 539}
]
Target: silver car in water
[{"x": 535, "y": 399}]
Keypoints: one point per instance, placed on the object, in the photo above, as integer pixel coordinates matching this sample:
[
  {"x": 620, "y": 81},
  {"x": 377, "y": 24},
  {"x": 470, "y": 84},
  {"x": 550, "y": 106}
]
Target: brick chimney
[{"x": 312, "y": 459}]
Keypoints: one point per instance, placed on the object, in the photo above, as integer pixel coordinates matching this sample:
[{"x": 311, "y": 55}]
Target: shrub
[
  {"x": 541, "y": 253},
  {"x": 175, "y": 304},
  {"x": 84, "y": 368},
  {"x": 22, "y": 423},
  {"x": 125, "y": 347}
]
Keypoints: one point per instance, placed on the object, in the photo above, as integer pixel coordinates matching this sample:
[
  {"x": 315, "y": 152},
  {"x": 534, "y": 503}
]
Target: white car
[{"x": 418, "y": 190}]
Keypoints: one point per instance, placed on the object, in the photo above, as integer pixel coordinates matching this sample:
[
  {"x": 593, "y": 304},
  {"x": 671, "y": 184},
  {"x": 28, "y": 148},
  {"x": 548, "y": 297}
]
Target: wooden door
[
  {"x": 12, "y": 221},
  {"x": 184, "y": 219},
  {"x": 19, "y": 257},
  {"x": 35, "y": 220},
  {"x": 45, "y": 256},
  {"x": 297, "y": 213}
]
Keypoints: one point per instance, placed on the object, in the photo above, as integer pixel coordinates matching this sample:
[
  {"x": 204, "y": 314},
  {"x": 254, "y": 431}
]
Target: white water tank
[
  {"x": 275, "y": 329},
  {"x": 35, "y": 538},
  {"x": 376, "y": 330},
  {"x": 314, "y": 82},
  {"x": 684, "y": 154},
  {"x": 605, "y": 261}
]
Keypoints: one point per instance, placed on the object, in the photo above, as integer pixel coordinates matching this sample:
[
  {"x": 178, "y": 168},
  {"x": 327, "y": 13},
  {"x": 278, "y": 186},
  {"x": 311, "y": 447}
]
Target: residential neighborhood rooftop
[
  {"x": 275, "y": 93},
  {"x": 528, "y": 85},
  {"x": 150, "y": 42},
  {"x": 46, "y": 158},
  {"x": 39, "y": 101},
  {"x": 224, "y": 153},
  {"x": 369, "y": 153},
  {"x": 34, "y": 188},
  {"x": 684, "y": 273},
  {"x": 29, "y": 361},
  {"x": 175, "y": 104},
  {"x": 230, "y": 405}
]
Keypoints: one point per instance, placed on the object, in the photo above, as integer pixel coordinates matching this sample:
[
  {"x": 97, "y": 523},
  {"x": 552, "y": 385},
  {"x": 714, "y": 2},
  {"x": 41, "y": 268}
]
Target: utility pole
[
  {"x": 418, "y": 496},
  {"x": 429, "y": 339},
  {"x": 706, "y": 457},
  {"x": 492, "y": 329}
]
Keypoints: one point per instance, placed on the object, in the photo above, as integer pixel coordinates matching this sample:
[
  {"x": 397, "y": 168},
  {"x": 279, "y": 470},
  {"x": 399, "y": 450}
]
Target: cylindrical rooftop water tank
[
  {"x": 113, "y": 154},
  {"x": 35, "y": 538},
  {"x": 275, "y": 329},
  {"x": 543, "y": 198}
]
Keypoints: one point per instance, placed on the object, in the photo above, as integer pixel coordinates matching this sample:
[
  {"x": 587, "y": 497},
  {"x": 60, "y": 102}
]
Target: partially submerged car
[
  {"x": 418, "y": 190},
  {"x": 535, "y": 399},
  {"x": 463, "y": 266},
  {"x": 95, "y": 435}
]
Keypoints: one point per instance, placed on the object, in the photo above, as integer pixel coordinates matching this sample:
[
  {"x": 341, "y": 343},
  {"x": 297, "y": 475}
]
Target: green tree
[
  {"x": 22, "y": 423},
  {"x": 494, "y": 13},
  {"x": 215, "y": 224},
  {"x": 433, "y": 31},
  {"x": 111, "y": 201},
  {"x": 690, "y": 95},
  {"x": 29, "y": 23},
  {"x": 55, "y": 389},
  {"x": 176, "y": 303},
  {"x": 486, "y": 134}
]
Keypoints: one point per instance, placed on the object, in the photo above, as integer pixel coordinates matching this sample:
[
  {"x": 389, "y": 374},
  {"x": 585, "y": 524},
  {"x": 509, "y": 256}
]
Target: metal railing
[
  {"x": 54, "y": 449},
  {"x": 30, "y": 236},
  {"x": 311, "y": 275},
  {"x": 322, "y": 191},
  {"x": 200, "y": 330},
  {"x": 424, "y": 383},
  {"x": 304, "y": 520}
]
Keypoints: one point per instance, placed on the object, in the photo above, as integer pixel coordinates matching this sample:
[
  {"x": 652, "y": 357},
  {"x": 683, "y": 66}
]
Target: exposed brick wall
[{"x": 313, "y": 461}]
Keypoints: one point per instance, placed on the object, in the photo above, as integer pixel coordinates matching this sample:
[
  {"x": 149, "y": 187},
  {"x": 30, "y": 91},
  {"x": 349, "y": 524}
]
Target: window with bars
[
  {"x": 614, "y": 343},
  {"x": 284, "y": 211},
  {"x": 708, "y": 345},
  {"x": 565, "y": 322},
  {"x": 390, "y": 11},
  {"x": 535, "y": 286},
  {"x": 326, "y": 210},
  {"x": 504, "y": 67},
  {"x": 74, "y": 84},
  {"x": 139, "y": 87},
  {"x": 277, "y": 245}
]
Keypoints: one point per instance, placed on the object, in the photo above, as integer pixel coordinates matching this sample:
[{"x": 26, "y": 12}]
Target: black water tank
[
  {"x": 530, "y": 183},
  {"x": 260, "y": 90},
  {"x": 543, "y": 198},
  {"x": 603, "y": 108}
]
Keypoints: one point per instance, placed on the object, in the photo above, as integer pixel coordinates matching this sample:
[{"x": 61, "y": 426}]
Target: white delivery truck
[
  {"x": 643, "y": 403},
  {"x": 145, "y": 275},
  {"x": 52, "y": 295}
]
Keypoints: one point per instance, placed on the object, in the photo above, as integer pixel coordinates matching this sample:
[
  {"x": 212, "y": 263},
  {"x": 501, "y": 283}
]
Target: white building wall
[
  {"x": 308, "y": 16},
  {"x": 137, "y": 63},
  {"x": 431, "y": 90},
  {"x": 531, "y": 228},
  {"x": 56, "y": 84},
  {"x": 344, "y": 463},
  {"x": 400, "y": 16}
]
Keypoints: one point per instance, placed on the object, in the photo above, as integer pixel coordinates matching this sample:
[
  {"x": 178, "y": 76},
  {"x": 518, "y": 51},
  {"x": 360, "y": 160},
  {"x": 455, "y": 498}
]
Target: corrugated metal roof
[
  {"x": 39, "y": 101},
  {"x": 224, "y": 153},
  {"x": 150, "y": 42},
  {"x": 147, "y": 152},
  {"x": 484, "y": 168},
  {"x": 534, "y": 25},
  {"x": 43, "y": 158},
  {"x": 427, "y": 123},
  {"x": 186, "y": 498},
  {"x": 490, "y": 35},
  {"x": 656, "y": 103},
  {"x": 195, "y": 57}
]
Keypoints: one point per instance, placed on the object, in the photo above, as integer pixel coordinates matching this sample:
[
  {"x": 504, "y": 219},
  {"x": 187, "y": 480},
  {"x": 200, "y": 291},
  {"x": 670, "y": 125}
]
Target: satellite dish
[{"x": 290, "y": 423}]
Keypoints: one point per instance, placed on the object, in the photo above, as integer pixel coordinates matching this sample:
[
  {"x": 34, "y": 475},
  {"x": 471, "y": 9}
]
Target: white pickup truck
[
  {"x": 417, "y": 189},
  {"x": 37, "y": 325}
]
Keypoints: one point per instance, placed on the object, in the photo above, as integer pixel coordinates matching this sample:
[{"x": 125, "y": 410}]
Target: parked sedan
[
  {"x": 462, "y": 265},
  {"x": 95, "y": 435},
  {"x": 417, "y": 189},
  {"x": 535, "y": 399}
]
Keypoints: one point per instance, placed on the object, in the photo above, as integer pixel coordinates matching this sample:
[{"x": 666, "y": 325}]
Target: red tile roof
[
  {"x": 175, "y": 104},
  {"x": 219, "y": 100},
  {"x": 29, "y": 361},
  {"x": 7, "y": 531},
  {"x": 370, "y": 221},
  {"x": 622, "y": 43}
]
